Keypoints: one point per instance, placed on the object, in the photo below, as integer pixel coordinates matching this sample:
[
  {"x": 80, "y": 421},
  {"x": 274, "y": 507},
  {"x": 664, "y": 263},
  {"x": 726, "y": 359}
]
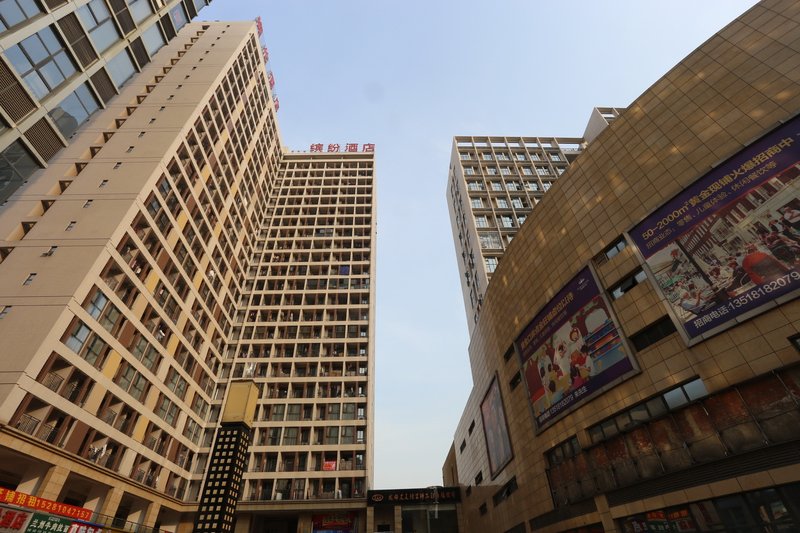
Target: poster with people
[
  {"x": 495, "y": 429},
  {"x": 730, "y": 243},
  {"x": 571, "y": 350}
]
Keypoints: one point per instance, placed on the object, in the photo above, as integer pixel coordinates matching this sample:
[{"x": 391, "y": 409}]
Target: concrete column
[
  {"x": 398, "y": 518},
  {"x": 33, "y": 477},
  {"x": 370, "y": 519},
  {"x": 151, "y": 514},
  {"x": 96, "y": 497},
  {"x": 53, "y": 482},
  {"x": 605, "y": 514},
  {"x": 111, "y": 501},
  {"x": 243, "y": 522}
]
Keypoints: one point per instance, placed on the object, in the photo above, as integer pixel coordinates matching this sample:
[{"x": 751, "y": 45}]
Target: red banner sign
[
  {"x": 33, "y": 502},
  {"x": 329, "y": 465}
]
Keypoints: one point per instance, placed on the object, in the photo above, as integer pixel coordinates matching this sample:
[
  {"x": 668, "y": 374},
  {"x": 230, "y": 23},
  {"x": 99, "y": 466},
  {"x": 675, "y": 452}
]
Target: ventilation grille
[
  {"x": 77, "y": 39},
  {"x": 13, "y": 98},
  {"x": 52, "y": 4},
  {"x": 43, "y": 139},
  {"x": 123, "y": 16},
  {"x": 140, "y": 53},
  {"x": 103, "y": 85},
  {"x": 190, "y": 9},
  {"x": 739, "y": 465},
  {"x": 562, "y": 513},
  {"x": 169, "y": 29}
]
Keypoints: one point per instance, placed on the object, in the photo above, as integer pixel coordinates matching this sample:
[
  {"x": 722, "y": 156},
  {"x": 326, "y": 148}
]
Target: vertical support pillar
[{"x": 53, "y": 482}]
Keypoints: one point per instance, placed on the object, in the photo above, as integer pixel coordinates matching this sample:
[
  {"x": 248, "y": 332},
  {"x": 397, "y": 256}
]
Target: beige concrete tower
[
  {"x": 493, "y": 185},
  {"x": 173, "y": 246},
  {"x": 62, "y": 60}
]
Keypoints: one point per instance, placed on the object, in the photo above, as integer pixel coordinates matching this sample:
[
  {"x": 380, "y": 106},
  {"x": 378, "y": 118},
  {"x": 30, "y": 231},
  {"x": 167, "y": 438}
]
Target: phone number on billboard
[{"x": 765, "y": 289}]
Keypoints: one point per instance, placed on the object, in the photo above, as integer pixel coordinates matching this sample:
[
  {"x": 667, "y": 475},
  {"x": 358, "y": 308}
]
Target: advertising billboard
[
  {"x": 495, "y": 429},
  {"x": 571, "y": 350},
  {"x": 730, "y": 243}
]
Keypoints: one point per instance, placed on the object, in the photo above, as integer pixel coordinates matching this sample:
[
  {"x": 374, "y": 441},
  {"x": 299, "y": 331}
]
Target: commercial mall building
[
  {"x": 175, "y": 286},
  {"x": 636, "y": 363}
]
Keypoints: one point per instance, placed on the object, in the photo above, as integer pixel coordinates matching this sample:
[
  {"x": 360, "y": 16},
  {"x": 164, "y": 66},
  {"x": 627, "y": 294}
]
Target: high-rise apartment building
[
  {"x": 493, "y": 185},
  {"x": 173, "y": 249},
  {"x": 62, "y": 60}
]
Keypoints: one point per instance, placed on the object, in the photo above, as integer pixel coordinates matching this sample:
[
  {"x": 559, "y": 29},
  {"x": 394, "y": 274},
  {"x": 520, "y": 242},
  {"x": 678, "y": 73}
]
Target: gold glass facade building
[
  {"x": 175, "y": 246},
  {"x": 635, "y": 364}
]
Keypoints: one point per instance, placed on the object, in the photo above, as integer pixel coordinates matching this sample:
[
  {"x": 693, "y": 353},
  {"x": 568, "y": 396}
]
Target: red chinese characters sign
[
  {"x": 259, "y": 26},
  {"x": 329, "y": 465},
  {"x": 12, "y": 520},
  {"x": 349, "y": 147},
  {"x": 40, "y": 504}
]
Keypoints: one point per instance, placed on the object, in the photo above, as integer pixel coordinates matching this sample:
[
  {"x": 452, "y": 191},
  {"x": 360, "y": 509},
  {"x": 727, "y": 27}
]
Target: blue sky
[{"x": 408, "y": 76}]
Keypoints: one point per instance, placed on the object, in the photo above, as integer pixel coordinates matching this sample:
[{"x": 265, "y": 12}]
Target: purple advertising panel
[
  {"x": 495, "y": 429},
  {"x": 571, "y": 350},
  {"x": 730, "y": 243}
]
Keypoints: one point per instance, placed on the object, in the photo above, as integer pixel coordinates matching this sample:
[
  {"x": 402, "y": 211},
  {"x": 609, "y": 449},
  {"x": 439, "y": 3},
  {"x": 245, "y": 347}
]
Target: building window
[
  {"x": 152, "y": 38},
  {"x": 469, "y": 171},
  {"x": 121, "y": 68},
  {"x": 517, "y": 203},
  {"x": 13, "y": 12},
  {"x": 546, "y": 185},
  {"x": 476, "y": 203},
  {"x": 74, "y": 110},
  {"x": 491, "y": 264},
  {"x": 507, "y": 222},
  {"x": 512, "y": 186},
  {"x": 16, "y": 165},
  {"x": 5, "y": 310},
  {"x": 542, "y": 171},
  {"x": 627, "y": 284},
  {"x": 98, "y": 23},
  {"x": 482, "y": 222},
  {"x": 505, "y": 171},
  {"x": 535, "y": 157},
  {"x": 78, "y": 337},
  {"x": 502, "y": 157},
  {"x": 475, "y": 186},
  {"x": 521, "y": 219},
  {"x": 42, "y": 62},
  {"x": 505, "y": 491},
  {"x": 527, "y": 171},
  {"x": 167, "y": 410},
  {"x": 653, "y": 333},
  {"x": 520, "y": 157},
  {"x": 140, "y": 10},
  {"x": 29, "y": 279},
  {"x": 502, "y": 203},
  {"x": 611, "y": 251},
  {"x": 490, "y": 241},
  {"x": 487, "y": 157},
  {"x": 178, "y": 17},
  {"x": 533, "y": 186},
  {"x": 492, "y": 171},
  {"x": 479, "y": 478},
  {"x": 464, "y": 156},
  {"x": 555, "y": 157},
  {"x": 497, "y": 186}
]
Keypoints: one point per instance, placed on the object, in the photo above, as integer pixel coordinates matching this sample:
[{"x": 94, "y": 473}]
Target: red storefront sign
[{"x": 40, "y": 504}]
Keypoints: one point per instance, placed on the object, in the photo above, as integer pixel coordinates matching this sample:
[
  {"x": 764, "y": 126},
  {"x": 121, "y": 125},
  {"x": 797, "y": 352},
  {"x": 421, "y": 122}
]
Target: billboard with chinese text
[
  {"x": 571, "y": 350},
  {"x": 729, "y": 243}
]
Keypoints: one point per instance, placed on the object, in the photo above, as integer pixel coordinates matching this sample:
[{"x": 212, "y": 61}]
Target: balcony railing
[
  {"x": 27, "y": 424},
  {"x": 53, "y": 381}
]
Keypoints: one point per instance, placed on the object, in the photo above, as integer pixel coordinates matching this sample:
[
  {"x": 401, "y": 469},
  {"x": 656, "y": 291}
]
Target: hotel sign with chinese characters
[{"x": 348, "y": 147}]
